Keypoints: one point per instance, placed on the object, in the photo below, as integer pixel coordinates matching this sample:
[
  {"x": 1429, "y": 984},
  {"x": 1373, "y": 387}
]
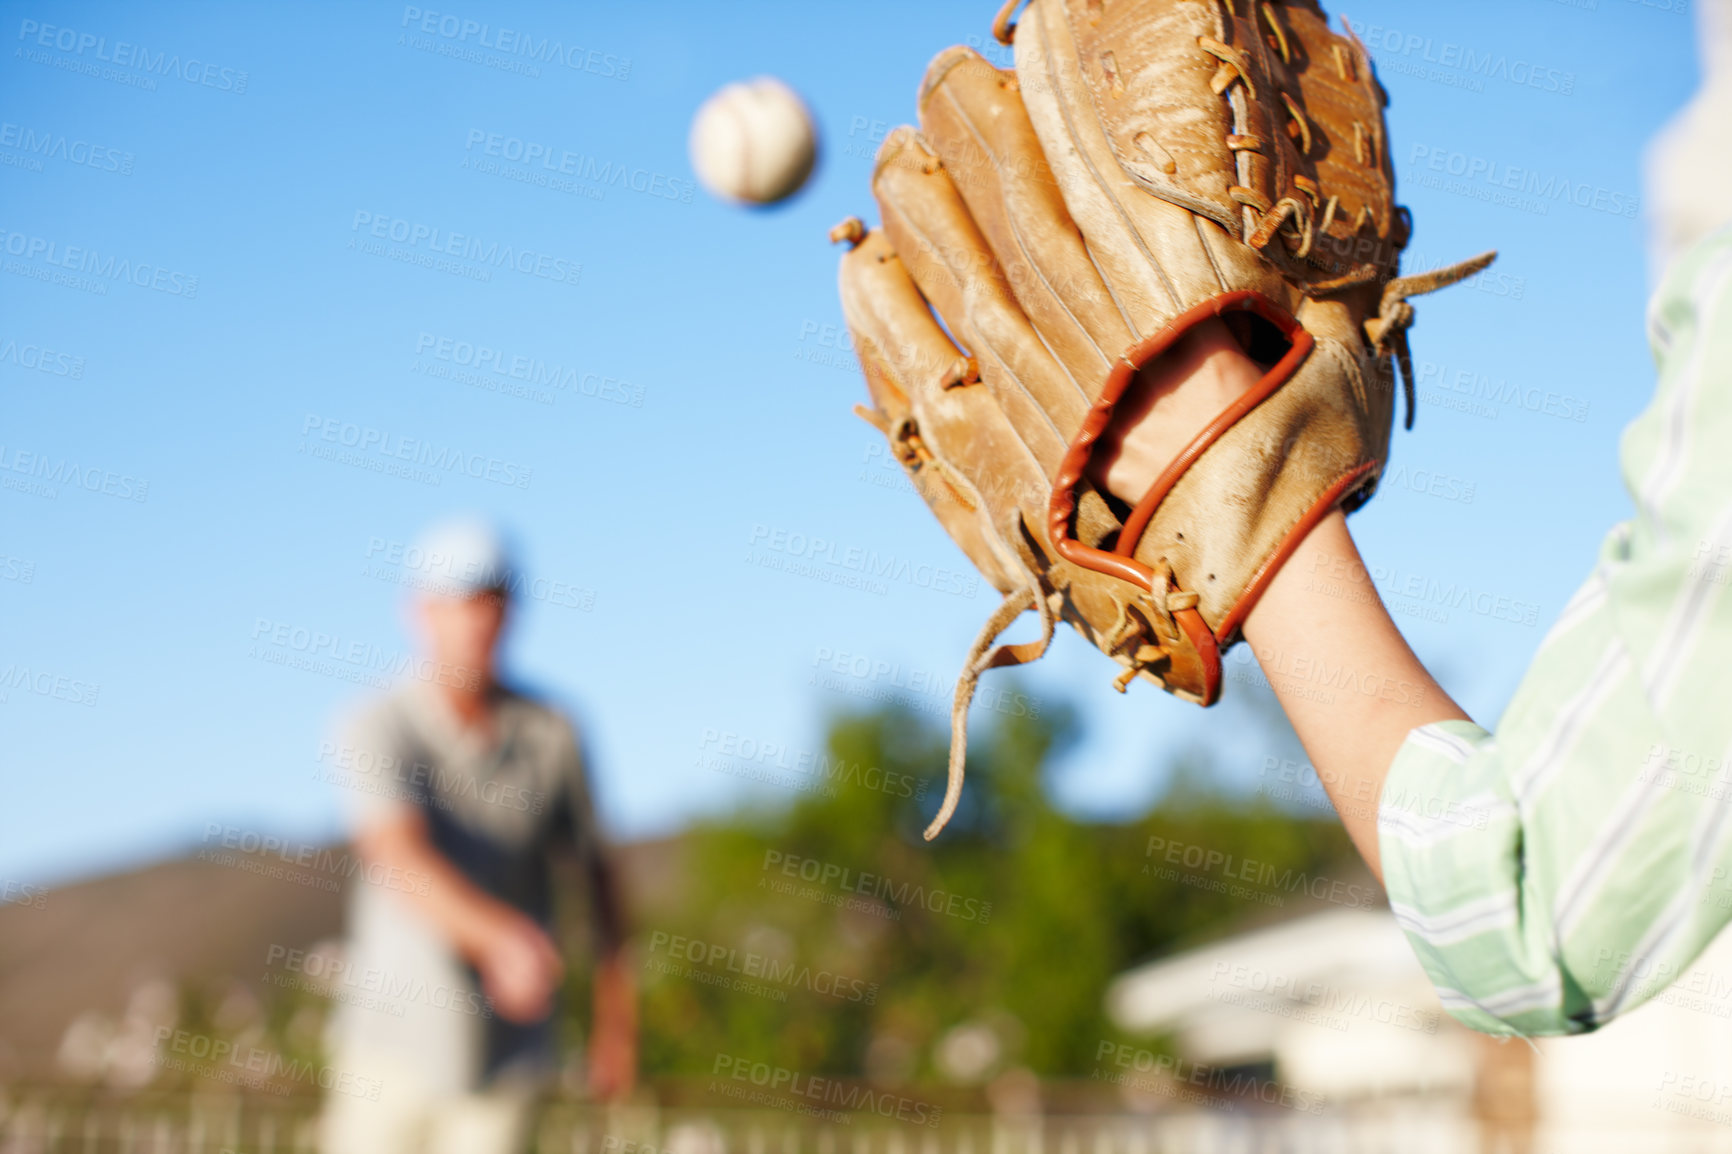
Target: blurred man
[{"x": 474, "y": 793}]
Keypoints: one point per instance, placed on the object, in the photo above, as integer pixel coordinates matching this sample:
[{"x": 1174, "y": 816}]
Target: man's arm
[
  {"x": 613, "y": 1029},
  {"x": 613, "y": 1033},
  {"x": 519, "y": 965}
]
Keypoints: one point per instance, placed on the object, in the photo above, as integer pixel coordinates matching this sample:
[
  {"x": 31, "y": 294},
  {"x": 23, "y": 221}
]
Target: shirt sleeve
[
  {"x": 1571, "y": 867},
  {"x": 376, "y": 767}
]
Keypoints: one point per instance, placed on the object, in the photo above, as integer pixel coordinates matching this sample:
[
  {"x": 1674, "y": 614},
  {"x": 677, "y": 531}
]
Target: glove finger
[
  {"x": 932, "y": 231},
  {"x": 909, "y": 362},
  {"x": 1351, "y": 164},
  {"x": 1153, "y": 250},
  {"x": 973, "y": 117},
  {"x": 894, "y": 330}
]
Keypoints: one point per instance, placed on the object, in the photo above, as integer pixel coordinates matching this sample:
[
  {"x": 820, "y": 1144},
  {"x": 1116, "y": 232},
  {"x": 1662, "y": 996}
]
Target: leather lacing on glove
[
  {"x": 1387, "y": 331},
  {"x": 984, "y": 654}
]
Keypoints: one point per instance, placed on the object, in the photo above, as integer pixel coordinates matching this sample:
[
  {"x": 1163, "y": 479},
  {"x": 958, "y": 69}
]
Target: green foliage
[{"x": 828, "y": 937}]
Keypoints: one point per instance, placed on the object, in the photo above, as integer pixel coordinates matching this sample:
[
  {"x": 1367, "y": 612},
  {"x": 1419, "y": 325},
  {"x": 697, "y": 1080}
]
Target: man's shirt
[{"x": 503, "y": 809}]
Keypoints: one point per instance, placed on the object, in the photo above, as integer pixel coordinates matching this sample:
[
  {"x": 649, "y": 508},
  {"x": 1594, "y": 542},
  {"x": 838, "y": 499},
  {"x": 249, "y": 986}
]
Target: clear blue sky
[{"x": 703, "y": 400}]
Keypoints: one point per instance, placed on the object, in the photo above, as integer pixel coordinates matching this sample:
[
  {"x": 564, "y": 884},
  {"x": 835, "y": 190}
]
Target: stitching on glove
[
  {"x": 1281, "y": 44},
  {"x": 1234, "y": 67},
  {"x": 911, "y": 452},
  {"x": 1303, "y": 124}
]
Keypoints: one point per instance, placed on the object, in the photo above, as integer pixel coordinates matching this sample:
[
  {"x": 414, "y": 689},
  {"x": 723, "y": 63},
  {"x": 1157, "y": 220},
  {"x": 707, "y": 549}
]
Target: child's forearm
[{"x": 1349, "y": 683}]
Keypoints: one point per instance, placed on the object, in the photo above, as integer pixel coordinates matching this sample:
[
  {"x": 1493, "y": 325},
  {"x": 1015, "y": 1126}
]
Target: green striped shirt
[{"x": 1570, "y": 867}]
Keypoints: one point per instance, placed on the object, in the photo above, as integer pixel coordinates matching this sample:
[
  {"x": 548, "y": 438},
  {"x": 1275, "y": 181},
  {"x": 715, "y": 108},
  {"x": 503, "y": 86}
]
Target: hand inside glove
[{"x": 1174, "y": 397}]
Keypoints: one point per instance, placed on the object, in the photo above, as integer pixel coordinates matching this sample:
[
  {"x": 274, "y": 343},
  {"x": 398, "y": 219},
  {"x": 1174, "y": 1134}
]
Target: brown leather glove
[{"x": 1150, "y": 164}]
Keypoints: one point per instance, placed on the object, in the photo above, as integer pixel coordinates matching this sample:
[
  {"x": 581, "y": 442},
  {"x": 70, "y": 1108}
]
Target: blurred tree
[{"x": 826, "y": 936}]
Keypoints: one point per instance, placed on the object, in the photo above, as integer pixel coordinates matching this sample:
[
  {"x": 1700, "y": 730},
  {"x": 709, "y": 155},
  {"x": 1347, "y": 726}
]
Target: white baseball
[{"x": 753, "y": 142}]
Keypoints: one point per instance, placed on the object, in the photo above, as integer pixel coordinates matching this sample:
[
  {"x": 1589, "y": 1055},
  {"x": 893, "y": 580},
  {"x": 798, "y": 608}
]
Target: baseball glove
[{"x": 1148, "y": 165}]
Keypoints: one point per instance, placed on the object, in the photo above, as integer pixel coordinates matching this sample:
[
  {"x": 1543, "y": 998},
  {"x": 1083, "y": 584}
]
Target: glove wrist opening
[{"x": 1272, "y": 328}]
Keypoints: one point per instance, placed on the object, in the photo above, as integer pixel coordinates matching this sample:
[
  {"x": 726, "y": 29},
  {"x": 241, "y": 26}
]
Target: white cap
[{"x": 462, "y": 557}]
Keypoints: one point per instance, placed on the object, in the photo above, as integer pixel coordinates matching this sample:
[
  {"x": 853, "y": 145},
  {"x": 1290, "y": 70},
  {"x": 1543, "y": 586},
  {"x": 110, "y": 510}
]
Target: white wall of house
[{"x": 1339, "y": 1004}]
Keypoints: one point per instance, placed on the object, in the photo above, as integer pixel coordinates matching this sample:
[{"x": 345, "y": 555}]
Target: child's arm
[
  {"x": 1316, "y": 627},
  {"x": 1569, "y": 868},
  {"x": 1344, "y": 674}
]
